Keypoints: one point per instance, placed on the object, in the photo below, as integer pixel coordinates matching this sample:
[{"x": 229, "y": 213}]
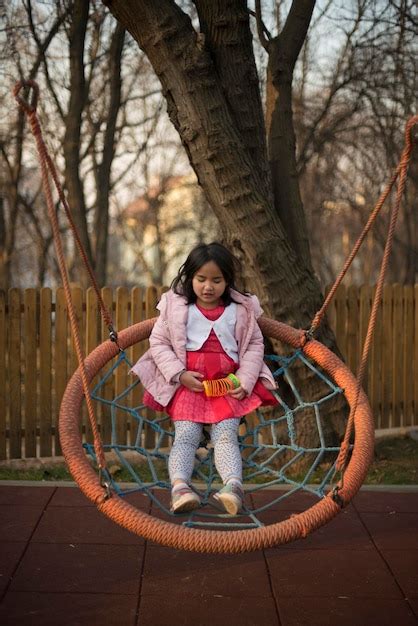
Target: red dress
[{"x": 212, "y": 361}]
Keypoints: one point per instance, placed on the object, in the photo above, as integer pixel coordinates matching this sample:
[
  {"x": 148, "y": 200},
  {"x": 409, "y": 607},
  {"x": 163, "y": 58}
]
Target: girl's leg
[
  {"x": 228, "y": 459},
  {"x": 181, "y": 460},
  {"x": 228, "y": 462}
]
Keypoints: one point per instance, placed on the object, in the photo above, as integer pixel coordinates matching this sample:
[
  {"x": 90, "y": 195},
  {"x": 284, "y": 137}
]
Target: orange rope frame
[{"x": 216, "y": 541}]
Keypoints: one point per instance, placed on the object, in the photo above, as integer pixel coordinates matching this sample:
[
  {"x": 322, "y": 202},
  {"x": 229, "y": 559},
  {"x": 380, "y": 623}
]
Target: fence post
[
  {"x": 77, "y": 298},
  {"x": 137, "y": 315},
  {"x": 415, "y": 322},
  {"x": 352, "y": 338},
  {"x": 60, "y": 357},
  {"x": 375, "y": 378},
  {"x": 30, "y": 336},
  {"x": 341, "y": 319},
  {"x": 365, "y": 297},
  {"x": 397, "y": 373},
  {"x": 151, "y": 298},
  {"x": 91, "y": 335},
  {"x": 122, "y": 423},
  {"x": 3, "y": 396},
  {"x": 387, "y": 330},
  {"x": 45, "y": 371},
  {"x": 408, "y": 356},
  {"x": 107, "y": 388},
  {"x": 14, "y": 369}
]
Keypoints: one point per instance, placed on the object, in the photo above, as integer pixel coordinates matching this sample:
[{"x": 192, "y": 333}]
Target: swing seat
[{"x": 204, "y": 530}]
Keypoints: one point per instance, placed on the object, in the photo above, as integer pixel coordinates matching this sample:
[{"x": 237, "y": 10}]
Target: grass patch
[
  {"x": 395, "y": 463},
  {"x": 52, "y": 472}
]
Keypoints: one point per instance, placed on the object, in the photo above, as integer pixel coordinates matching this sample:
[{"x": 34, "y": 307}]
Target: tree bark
[
  {"x": 227, "y": 33},
  {"x": 10, "y": 203},
  {"x": 104, "y": 169},
  {"x": 204, "y": 117},
  {"x": 72, "y": 138},
  {"x": 283, "y": 52},
  {"x": 11, "y": 200}
]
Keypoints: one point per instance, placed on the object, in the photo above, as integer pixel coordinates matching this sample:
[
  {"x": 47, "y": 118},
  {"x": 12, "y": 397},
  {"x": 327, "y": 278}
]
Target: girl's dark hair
[{"x": 201, "y": 254}]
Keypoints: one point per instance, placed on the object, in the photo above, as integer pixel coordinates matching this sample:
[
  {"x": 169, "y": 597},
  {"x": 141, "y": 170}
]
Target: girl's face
[{"x": 208, "y": 285}]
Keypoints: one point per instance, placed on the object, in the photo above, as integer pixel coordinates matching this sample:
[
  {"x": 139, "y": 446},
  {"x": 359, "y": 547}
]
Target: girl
[{"x": 206, "y": 330}]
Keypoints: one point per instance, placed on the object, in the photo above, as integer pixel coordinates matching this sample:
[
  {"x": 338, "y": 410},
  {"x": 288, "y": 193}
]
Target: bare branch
[
  {"x": 263, "y": 34},
  {"x": 295, "y": 29}
]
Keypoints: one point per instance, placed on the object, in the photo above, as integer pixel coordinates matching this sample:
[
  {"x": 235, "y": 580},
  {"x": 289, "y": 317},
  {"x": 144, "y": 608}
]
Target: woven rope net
[{"x": 270, "y": 449}]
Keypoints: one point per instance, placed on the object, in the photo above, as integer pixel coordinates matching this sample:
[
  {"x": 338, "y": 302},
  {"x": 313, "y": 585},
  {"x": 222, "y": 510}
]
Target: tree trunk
[
  {"x": 283, "y": 52},
  {"x": 222, "y": 155},
  {"x": 103, "y": 173},
  {"x": 225, "y": 26},
  {"x": 10, "y": 203},
  {"x": 282, "y": 156},
  {"x": 72, "y": 138}
]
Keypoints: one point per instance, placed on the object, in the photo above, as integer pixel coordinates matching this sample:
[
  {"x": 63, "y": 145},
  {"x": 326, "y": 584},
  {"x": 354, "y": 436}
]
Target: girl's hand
[
  {"x": 238, "y": 394},
  {"x": 191, "y": 380}
]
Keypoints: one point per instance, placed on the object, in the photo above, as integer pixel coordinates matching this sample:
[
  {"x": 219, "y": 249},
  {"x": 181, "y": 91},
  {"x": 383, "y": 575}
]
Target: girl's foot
[
  {"x": 184, "y": 499},
  {"x": 231, "y": 497}
]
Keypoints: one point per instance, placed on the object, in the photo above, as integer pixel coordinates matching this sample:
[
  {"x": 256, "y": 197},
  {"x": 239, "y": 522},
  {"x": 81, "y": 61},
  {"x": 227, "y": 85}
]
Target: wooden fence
[{"x": 37, "y": 356}]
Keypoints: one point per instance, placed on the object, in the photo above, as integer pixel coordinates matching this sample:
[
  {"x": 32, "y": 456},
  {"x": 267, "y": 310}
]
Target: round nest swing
[
  {"x": 260, "y": 452},
  {"x": 198, "y": 539}
]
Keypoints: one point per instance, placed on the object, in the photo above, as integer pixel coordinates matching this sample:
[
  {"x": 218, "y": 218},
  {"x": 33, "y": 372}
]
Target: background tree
[
  {"x": 16, "y": 200},
  {"x": 350, "y": 114},
  {"x": 353, "y": 87},
  {"x": 92, "y": 112}
]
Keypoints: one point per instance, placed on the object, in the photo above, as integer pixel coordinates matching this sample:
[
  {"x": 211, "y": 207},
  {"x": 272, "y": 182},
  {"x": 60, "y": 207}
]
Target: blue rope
[{"x": 270, "y": 463}]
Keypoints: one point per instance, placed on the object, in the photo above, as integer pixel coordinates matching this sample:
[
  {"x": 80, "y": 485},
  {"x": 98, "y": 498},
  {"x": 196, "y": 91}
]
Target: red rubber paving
[{"x": 62, "y": 562}]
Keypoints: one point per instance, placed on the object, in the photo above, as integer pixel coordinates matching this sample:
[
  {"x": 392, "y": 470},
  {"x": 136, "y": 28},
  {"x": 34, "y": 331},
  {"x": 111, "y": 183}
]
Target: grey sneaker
[
  {"x": 184, "y": 500},
  {"x": 231, "y": 497}
]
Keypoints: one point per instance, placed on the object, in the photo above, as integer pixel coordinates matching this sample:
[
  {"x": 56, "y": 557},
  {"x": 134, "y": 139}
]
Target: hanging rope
[
  {"x": 400, "y": 175},
  {"x": 204, "y": 539},
  {"x": 401, "y": 171},
  {"x": 47, "y": 167}
]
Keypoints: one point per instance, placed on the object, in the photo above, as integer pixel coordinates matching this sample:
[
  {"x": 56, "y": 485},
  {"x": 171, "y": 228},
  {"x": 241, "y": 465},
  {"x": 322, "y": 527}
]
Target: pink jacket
[{"x": 167, "y": 354}]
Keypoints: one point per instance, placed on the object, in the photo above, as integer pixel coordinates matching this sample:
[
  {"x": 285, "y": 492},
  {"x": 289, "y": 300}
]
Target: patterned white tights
[{"x": 224, "y": 436}]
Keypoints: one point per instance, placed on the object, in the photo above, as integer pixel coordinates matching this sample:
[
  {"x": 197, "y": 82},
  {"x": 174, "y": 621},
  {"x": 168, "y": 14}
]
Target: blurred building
[{"x": 157, "y": 230}]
